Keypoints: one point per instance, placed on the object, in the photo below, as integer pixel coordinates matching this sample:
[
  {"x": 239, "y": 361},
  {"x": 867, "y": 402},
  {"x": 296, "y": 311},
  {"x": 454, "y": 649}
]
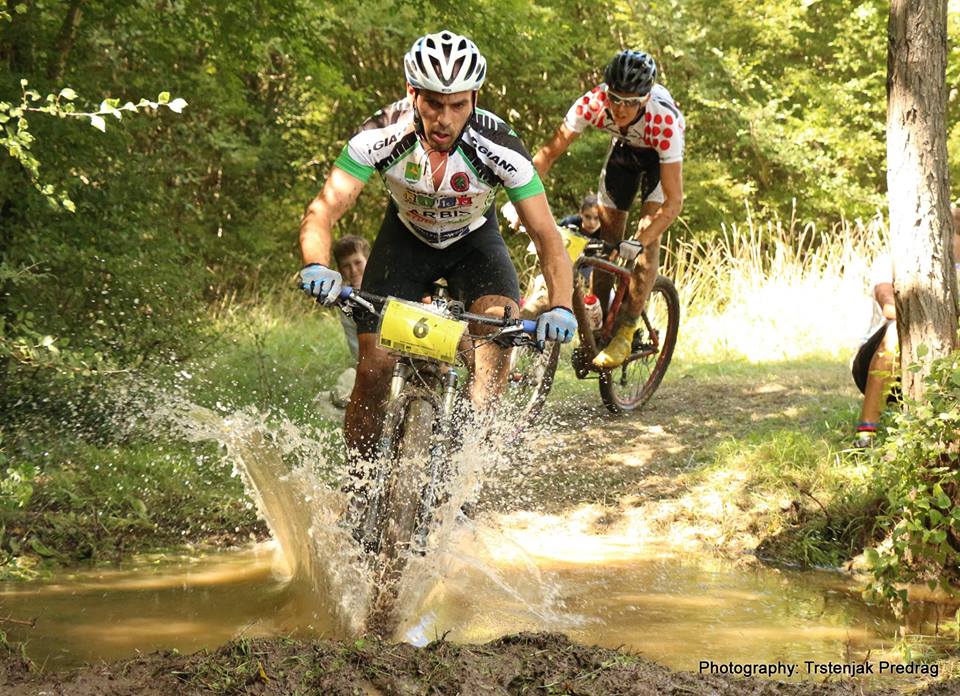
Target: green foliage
[{"x": 921, "y": 458}]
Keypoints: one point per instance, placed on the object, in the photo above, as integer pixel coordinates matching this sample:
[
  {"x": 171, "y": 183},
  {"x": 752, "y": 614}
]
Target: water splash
[{"x": 294, "y": 482}]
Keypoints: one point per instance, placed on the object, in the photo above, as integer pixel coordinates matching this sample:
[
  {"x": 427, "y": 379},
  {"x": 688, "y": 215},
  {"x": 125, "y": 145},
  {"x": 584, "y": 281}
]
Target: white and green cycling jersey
[{"x": 488, "y": 154}]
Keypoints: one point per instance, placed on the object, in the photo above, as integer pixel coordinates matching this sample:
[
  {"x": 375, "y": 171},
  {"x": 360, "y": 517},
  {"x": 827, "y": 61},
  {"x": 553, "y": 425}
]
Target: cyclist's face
[
  {"x": 590, "y": 218},
  {"x": 444, "y": 116},
  {"x": 624, "y": 106}
]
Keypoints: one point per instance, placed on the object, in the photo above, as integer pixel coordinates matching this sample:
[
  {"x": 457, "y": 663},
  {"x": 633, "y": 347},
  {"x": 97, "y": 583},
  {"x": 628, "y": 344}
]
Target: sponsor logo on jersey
[
  {"x": 380, "y": 144},
  {"x": 412, "y": 172},
  {"x": 432, "y": 215},
  {"x": 496, "y": 159},
  {"x": 460, "y": 182}
]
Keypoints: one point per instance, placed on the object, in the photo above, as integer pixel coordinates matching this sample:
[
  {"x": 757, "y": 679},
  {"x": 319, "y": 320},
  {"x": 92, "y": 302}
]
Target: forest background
[{"x": 124, "y": 240}]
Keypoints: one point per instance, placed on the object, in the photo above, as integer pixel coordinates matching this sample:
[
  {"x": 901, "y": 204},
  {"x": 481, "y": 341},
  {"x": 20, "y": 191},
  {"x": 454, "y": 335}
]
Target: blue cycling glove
[
  {"x": 321, "y": 282},
  {"x": 556, "y": 324}
]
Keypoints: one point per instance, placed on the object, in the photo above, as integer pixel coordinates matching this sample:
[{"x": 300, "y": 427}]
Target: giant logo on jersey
[{"x": 496, "y": 159}]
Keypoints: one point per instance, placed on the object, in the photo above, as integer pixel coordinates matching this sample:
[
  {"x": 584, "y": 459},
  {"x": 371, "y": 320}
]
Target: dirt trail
[
  {"x": 519, "y": 664},
  {"x": 624, "y": 471},
  {"x": 628, "y": 471}
]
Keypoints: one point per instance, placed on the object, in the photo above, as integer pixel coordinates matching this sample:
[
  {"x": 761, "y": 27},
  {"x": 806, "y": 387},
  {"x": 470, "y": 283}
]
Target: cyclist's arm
[
  {"x": 549, "y": 153},
  {"x": 338, "y": 195},
  {"x": 671, "y": 179},
  {"x": 538, "y": 220},
  {"x": 885, "y": 298}
]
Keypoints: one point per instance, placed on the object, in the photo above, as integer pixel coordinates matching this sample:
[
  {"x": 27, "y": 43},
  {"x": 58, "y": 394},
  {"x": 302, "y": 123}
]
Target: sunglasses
[{"x": 617, "y": 100}]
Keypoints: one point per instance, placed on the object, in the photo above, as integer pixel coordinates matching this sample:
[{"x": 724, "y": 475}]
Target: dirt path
[
  {"x": 628, "y": 472},
  {"x": 632, "y": 470},
  {"x": 510, "y": 666}
]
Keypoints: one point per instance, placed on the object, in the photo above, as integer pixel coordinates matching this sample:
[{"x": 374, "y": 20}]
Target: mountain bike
[
  {"x": 393, "y": 516},
  {"x": 629, "y": 386}
]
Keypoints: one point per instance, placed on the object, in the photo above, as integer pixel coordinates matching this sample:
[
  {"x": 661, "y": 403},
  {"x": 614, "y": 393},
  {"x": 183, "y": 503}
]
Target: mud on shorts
[
  {"x": 402, "y": 266},
  {"x": 626, "y": 171}
]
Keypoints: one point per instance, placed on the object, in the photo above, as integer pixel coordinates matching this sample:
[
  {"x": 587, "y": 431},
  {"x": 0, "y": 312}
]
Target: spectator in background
[
  {"x": 350, "y": 253},
  {"x": 875, "y": 365},
  {"x": 587, "y": 221}
]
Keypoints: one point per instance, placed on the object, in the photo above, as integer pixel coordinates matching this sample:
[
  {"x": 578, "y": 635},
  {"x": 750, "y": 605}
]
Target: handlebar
[{"x": 368, "y": 299}]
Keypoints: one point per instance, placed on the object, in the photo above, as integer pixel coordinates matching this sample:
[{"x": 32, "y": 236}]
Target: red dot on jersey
[
  {"x": 654, "y": 143},
  {"x": 669, "y": 119},
  {"x": 588, "y": 116},
  {"x": 656, "y": 130},
  {"x": 595, "y": 89},
  {"x": 647, "y": 130},
  {"x": 595, "y": 106},
  {"x": 600, "y": 121},
  {"x": 664, "y": 144},
  {"x": 586, "y": 100},
  {"x": 657, "y": 118},
  {"x": 602, "y": 96},
  {"x": 668, "y": 132},
  {"x": 579, "y": 110},
  {"x": 648, "y": 117}
]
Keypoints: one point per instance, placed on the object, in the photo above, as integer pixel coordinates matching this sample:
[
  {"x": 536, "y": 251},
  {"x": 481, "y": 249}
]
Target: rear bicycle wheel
[
  {"x": 529, "y": 381},
  {"x": 402, "y": 512},
  {"x": 629, "y": 386}
]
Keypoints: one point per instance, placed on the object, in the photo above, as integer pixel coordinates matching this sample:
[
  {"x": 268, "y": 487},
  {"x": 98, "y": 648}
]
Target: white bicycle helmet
[{"x": 445, "y": 63}]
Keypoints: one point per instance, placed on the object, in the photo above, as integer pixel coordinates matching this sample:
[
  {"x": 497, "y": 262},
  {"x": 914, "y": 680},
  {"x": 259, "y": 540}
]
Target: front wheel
[
  {"x": 402, "y": 513},
  {"x": 630, "y": 386},
  {"x": 529, "y": 381}
]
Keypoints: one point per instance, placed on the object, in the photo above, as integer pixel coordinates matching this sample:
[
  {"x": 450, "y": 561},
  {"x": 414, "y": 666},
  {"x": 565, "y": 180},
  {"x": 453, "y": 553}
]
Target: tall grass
[{"x": 772, "y": 290}]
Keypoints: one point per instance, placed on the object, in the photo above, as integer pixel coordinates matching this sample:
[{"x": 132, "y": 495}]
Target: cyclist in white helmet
[
  {"x": 645, "y": 156},
  {"x": 442, "y": 160}
]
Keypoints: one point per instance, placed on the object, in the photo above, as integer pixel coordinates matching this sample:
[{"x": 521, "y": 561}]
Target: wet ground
[{"x": 612, "y": 489}]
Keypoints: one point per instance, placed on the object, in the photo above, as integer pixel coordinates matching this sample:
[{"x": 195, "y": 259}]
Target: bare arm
[
  {"x": 338, "y": 195},
  {"x": 885, "y": 298},
  {"x": 557, "y": 270},
  {"x": 549, "y": 153},
  {"x": 671, "y": 179}
]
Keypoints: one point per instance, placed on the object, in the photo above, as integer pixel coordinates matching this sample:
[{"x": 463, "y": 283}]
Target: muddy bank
[{"x": 526, "y": 663}]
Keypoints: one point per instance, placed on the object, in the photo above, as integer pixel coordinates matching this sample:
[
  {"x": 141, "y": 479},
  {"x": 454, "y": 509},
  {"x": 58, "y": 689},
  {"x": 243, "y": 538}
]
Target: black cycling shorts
[
  {"x": 402, "y": 266},
  {"x": 861, "y": 363},
  {"x": 626, "y": 171}
]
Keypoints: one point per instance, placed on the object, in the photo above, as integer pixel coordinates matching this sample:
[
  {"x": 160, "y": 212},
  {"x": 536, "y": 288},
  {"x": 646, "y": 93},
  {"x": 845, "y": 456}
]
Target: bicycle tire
[
  {"x": 629, "y": 386},
  {"x": 401, "y": 510},
  {"x": 529, "y": 381}
]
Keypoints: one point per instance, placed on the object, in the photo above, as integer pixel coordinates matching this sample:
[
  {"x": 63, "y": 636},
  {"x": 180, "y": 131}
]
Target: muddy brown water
[{"x": 675, "y": 609}]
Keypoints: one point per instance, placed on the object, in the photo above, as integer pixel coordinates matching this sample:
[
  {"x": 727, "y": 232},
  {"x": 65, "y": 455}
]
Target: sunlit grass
[{"x": 774, "y": 291}]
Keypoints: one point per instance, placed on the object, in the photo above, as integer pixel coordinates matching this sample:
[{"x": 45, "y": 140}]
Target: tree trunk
[
  {"x": 64, "y": 43},
  {"x": 919, "y": 189}
]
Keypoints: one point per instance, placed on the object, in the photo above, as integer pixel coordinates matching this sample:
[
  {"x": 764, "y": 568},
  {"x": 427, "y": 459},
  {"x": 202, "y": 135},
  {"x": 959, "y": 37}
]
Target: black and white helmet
[
  {"x": 632, "y": 72},
  {"x": 445, "y": 63}
]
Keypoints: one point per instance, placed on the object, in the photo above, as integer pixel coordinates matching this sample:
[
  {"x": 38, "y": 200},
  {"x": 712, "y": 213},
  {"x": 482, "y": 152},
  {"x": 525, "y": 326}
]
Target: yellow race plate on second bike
[
  {"x": 573, "y": 242},
  {"x": 415, "y": 329}
]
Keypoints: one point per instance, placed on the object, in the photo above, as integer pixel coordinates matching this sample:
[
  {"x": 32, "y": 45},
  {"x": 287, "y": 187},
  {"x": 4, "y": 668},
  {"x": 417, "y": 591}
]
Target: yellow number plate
[
  {"x": 411, "y": 328},
  {"x": 573, "y": 242}
]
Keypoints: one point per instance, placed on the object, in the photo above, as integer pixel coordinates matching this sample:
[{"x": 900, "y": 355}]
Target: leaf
[
  {"x": 873, "y": 558},
  {"x": 39, "y": 548},
  {"x": 922, "y": 350},
  {"x": 177, "y": 105},
  {"x": 68, "y": 94},
  {"x": 163, "y": 97},
  {"x": 98, "y": 123}
]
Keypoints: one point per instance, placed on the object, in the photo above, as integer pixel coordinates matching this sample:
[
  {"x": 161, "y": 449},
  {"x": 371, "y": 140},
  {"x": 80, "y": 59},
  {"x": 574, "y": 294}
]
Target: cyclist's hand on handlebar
[
  {"x": 321, "y": 282},
  {"x": 556, "y": 324}
]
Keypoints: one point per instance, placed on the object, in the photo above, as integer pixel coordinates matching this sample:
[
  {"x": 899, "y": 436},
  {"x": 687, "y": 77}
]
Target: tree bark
[
  {"x": 65, "y": 41},
  {"x": 918, "y": 186}
]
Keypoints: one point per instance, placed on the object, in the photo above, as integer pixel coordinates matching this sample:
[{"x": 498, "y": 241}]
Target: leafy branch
[{"x": 17, "y": 138}]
